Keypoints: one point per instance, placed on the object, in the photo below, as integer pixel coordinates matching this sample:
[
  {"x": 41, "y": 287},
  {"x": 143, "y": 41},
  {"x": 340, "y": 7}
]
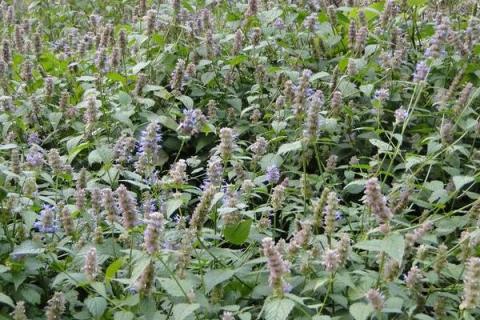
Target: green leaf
[
  {"x": 187, "y": 101},
  {"x": 8, "y": 146},
  {"x": 460, "y": 181},
  {"x": 215, "y": 277},
  {"x": 99, "y": 288},
  {"x": 76, "y": 150},
  {"x": 6, "y": 300},
  {"x": 355, "y": 186},
  {"x": 382, "y": 146},
  {"x": 73, "y": 142},
  {"x": 288, "y": 147},
  {"x": 168, "y": 122},
  {"x": 360, "y": 310},
  {"x": 112, "y": 269},
  {"x": 54, "y": 118},
  {"x": 172, "y": 205},
  {"x": 173, "y": 289},
  {"x": 270, "y": 159},
  {"x": 124, "y": 98},
  {"x": 393, "y": 245},
  {"x": 139, "y": 66},
  {"x": 96, "y": 306},
  {"x": 237, "y": 233},
  {"x": 183, "y": 310},
  {"x": 123, "y": 315},
  {"x": 278, "y": 309},
  {"x": 207, "y": 77}
]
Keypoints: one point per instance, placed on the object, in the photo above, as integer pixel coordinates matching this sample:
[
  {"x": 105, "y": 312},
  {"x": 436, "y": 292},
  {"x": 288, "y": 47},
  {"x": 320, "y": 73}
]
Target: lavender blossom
[
  {"x": 47, "y": 222},
  {"x": 376, "y": 201},
  {"x": 152, "y": 232},
  {"x": 90, "y": 267},
  {"x": 277, "y": 266},
  {"x": 273, "y": 174},
  {"x": 421, "y": 72},
  {"x": 127, "y": 207},
  {"x": 376, "y": 299},
  {"x": 192, "y": 122},
  {"x": 55, "y": 306},
  {"x": 471, "y": 280}
]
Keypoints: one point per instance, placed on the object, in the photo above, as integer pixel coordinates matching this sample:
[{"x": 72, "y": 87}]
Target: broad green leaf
[
  {"x": 237, "y": 233},
  {"x": 382, "y": 146},
  {"x": 172, "y": 205},
  {"x": 55, "y": 118},
  {"x": 6, "y": 300},
  {"x": 96, "y": 306},
  {"x": 112, "y": 269},
  {"x": 393, "y": 245},
  {"x": 278, "y": 309},
  {"x": 360, "y": 310},
  {"x": 173, "y": 289},
  {"x": 187, "y": 101},
  {"x": 460, "y": 181},
  {"x": 139, "y": 66},
  {"x": 288, "y": 147},
  {"x": 217, "y": 276},
  {"x": 183, "y": 310},
  {"x": 355, "y": 186},
  {"x": 271, "y": 159},
  {"x": 123, "y": 315}
]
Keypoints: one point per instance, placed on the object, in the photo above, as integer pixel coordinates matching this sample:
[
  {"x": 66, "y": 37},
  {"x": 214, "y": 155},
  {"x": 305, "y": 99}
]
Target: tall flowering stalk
[
  {"x": 376, "y": 201},
  {"x": 90, "y": 266},
  {"x": 55, "y": 306},
  {"x": 471, "y": 284},
  {"x": 127, "y": 207},
  {"x": 152, "y": 232},
  {"x": 276, "y": 265},
  {"x": 200, "y": 213}
]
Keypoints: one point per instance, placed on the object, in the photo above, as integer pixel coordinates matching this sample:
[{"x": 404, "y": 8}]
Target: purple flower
[
  {"x": 421, "y": 72},
  {"x": 192, "y": 122},
  {"x": 279, "y": 24},
  {"x": 273, "y": 174},
  {"x": 46, "y": 223},
  {"x": 33, "y": 138},
  {"x": 400, "y": 115},
  {"x": 34, "y": 157},
  {"x": 149, "y": 140}
]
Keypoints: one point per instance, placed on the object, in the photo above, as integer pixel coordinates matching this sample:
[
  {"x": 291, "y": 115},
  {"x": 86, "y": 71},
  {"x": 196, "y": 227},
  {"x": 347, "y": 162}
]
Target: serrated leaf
[
  {"x": 173, "y": 289},
  {"x": 270, "y": 159},
  {"x": 393, "y": 245},
  {"x": 355, "y": 186},
  {"x": 207, "y": 77},
  {"x": 54, "y": 118},
  {"x": 237, "y": 233},
  {"x": 186, "y": 100},
  {"x": 139, "y": 66},
  {"x": 6, "y": 300},
  {"x": 382, "y": 146},
  {"x": 112, "y": 269},
  {"x": 460, "y": 181},
  {"x": 289, "y": 147},
  {"x": 183, "y": 310},
  {"x": 123, "y": 315},
  {"x": 96, "y": 306},
  {"x": 172, "y": 205},
  {"x": 360, "y": 310},
  {"x": 278, "y": 309},
  {"x": 215, "y": 277}
]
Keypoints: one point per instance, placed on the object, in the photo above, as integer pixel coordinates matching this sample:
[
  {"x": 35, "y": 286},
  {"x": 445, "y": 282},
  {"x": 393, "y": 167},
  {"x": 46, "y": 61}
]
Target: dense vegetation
[{"x": 217, "y": 159}]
